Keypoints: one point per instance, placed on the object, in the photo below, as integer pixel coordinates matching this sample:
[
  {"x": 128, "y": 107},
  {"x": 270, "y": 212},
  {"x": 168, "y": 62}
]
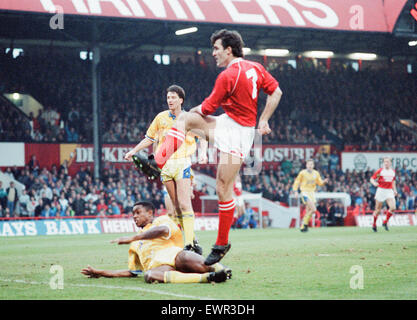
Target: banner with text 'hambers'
[
  {"x": 351, "y": 15},
  {"x": 362, "y": 161}
]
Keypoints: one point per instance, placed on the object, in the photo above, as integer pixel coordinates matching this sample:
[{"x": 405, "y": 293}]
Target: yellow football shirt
[
  {"x": 307, "y": 181},
  {"x": 143, "y": 252},
  {"x": 160, "y": 126}
]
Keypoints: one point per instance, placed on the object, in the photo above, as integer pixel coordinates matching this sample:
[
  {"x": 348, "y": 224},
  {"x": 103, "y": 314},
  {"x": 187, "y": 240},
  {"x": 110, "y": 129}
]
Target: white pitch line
[{"x": 112, "y": 287}]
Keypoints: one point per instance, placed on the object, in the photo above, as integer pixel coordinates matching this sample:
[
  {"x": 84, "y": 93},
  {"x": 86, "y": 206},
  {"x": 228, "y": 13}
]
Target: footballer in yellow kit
[
  {"x": 147, "y": 254},
  {"x": 177, "y": 174},
  {"x": 179, "y": 165},
  {"x": 307, "y": 180},
  {"x": 156, "y": 251}
]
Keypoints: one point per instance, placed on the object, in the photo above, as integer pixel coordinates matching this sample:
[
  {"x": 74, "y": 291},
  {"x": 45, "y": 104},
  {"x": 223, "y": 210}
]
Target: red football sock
[
  {"x": 375, "y": 218},
  {"x": 173, "y": 141},
  {"x": 226, "y": 211},
  {"x": 389, "y": 214}
]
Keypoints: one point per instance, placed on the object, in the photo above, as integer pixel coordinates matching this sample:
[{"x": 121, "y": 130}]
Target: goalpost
[{"x": 343, "y": 197}]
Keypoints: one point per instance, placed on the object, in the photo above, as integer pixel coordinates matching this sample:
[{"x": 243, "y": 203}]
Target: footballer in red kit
[
  {"x": 236, "y": 90},
  {"x": 384, "y": 180}
]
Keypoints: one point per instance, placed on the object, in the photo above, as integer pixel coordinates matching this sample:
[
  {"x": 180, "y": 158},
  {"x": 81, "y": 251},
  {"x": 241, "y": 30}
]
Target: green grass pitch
[{"x": 267, "y": 264}]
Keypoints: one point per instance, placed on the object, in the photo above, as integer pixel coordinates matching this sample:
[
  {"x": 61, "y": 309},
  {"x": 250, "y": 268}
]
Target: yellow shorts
[
  {"x": 177, "y": 169},
  {"x": 164, "y": 257},
  {"x": 308, "y": 195},
  {"x": 134, "y": 264}
]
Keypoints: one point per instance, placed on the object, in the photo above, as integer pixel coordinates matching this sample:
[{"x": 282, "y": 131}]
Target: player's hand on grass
[
  {"x": 90, "y": 272},
  {"x": 263, "y": 128}
]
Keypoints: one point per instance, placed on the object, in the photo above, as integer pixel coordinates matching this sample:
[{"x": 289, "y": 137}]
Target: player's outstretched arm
[
  {"x": 140, "y": 146},
  {"x": 91, "y": 272},
  {"x": 152, "y": 233},
  {"x": 272, "y": 102}
]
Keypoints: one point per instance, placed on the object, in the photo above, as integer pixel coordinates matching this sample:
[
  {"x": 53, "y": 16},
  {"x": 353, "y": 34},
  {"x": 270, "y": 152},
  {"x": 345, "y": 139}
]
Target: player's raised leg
[
  {"x": 187, "y": 121},
  {"x": 227, "y": 171}
]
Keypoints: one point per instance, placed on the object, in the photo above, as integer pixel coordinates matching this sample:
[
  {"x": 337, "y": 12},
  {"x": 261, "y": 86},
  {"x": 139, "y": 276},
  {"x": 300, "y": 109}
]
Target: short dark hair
[
  {"x": 229, "y": 38},
  {"x": 146, "y": 204},
  {"x": 178, "y": 90}
]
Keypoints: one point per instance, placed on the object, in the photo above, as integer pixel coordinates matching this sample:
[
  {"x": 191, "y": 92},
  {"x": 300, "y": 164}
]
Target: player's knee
[
  {"x": 222, "y": 187},
  {"x": 185, "y": 206}
]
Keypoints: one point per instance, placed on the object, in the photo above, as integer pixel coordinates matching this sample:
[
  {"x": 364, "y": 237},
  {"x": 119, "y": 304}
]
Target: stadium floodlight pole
[{"x": 96, "y": 99}]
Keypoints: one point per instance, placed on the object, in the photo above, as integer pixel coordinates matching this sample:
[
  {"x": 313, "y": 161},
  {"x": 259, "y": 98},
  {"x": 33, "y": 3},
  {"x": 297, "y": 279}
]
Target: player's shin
[
  {"x": 307, "y": 218},
  {"x": 172, "y": 143},
  {"x": 375, "y": 216},
  {"x": 226, "y": 211},
  {"x": 387, "y": 217}
]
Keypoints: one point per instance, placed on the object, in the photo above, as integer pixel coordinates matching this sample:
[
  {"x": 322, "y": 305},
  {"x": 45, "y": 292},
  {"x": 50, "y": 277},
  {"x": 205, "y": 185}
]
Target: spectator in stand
[
  {"x": 247, "y": 219},
  {"x": 3, "y": 196},
  {"x": 39, "y": 208},
  {"x": 31, "y": 206},
  {"x": 69, "y": 212},
  {"x": 63, "y": 201},
  {"x": 115, "y": 209},
  {"x": 333, "y": 161},
  {"x": 71, "y": 135},
  {"x": 324, "y": 161},
  {"x": 78, "y": 205},
  {"x": 12, "y": 197},
  {"x": 34, "y": 164},
  {"x": 102, "y": 206},
  {"x": 46, "y": 211},
  {"x": 339, "y": 214},
  {"x": 322, "y": 209},
  {"x": 286, "y": 165},
  {"x": 24, "y": 200}
]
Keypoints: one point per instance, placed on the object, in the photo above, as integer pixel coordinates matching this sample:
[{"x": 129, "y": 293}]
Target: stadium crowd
[
  {"x": 54, "y": 193},
  {"x": 319, "y": 105}
]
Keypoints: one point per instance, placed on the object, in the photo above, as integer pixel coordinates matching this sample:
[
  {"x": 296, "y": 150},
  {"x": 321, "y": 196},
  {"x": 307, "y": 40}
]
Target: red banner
[{"x": 351, "y": 15}]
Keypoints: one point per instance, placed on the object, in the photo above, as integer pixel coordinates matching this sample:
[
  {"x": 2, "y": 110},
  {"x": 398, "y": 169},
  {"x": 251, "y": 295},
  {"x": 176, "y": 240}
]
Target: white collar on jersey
[{"x": 234, "y": 61}]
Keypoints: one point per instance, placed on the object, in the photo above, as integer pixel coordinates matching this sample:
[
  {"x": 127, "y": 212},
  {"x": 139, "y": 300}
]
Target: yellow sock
[
  {"x": 307, "y": 218},
  {"x": 188, "y": 223},
  {"x": 179, "y": 277}
]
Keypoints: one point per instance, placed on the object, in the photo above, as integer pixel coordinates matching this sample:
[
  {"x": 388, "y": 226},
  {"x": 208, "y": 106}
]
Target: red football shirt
[
  {"x": 237, "y": 89},
  {"x": 384, "y": 177}
]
